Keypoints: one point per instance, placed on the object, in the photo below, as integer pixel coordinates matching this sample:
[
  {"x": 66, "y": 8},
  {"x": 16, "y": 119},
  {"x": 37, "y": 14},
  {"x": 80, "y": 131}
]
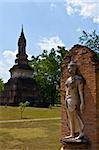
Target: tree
[
  {"x": 1, "y": 85},
  {"x": 44, "y": 72},
  {"x": 90, "y": 40},
  {"x": 61, "y": 53},
  {"x": 22, "y": 106},
  {"x": 47, "y": 74}
]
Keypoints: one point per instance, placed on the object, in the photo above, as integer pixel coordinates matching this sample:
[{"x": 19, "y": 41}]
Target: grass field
[
  {"x": 31, "y": 135},
  {"x": 13, "y": 113}
]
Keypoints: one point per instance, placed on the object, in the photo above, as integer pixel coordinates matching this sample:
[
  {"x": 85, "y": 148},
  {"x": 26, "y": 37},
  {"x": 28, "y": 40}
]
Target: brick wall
[
  {"x": 97, "y": 104},
  {"x": 85, "y": 59}
]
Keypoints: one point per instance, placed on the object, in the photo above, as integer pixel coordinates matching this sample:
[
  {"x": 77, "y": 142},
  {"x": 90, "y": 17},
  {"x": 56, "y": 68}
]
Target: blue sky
[{"x": 47, "y": 23}]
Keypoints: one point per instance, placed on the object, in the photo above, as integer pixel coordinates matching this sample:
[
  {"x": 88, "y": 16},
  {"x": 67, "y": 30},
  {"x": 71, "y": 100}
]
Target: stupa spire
[
  {"x": 22, "y": 41},
  {"x": 21, "y": 56}
]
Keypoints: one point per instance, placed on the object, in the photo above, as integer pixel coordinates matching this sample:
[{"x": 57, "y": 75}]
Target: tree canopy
[
  {"x": 90, "y": 40},
  {"x": 1, "y": 85},
  {"x": 47, "y": 73}
]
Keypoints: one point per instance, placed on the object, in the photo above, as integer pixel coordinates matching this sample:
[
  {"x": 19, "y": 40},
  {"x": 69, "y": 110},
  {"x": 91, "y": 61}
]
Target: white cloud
[
  {"x": 84, "y": 8},
  {"x": 70, "y": 10},
  {"x": 52, "y": 5},
  {"x": 29, "y": 56},
  {"x": 49, "y": 43},
  {"x": 9, "y": 56},
  {"x": 4, "y": 73},
  {"x": 1, "y": 68},
  {"x": 7, "y": 60},
  {"x": 78, "y": 29},
  {"x": 96, "y": 19}
]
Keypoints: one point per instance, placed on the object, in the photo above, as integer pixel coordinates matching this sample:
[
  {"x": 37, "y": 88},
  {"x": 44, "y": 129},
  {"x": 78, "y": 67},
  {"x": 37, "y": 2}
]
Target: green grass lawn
[
  {"x": 40, "y": 135},
  {"x": 31, "y": 135},
  {"x": 13, "y": 113}
]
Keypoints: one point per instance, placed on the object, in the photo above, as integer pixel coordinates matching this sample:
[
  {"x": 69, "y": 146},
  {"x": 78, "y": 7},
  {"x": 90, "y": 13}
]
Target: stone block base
[{"x": 72, "y": 144}]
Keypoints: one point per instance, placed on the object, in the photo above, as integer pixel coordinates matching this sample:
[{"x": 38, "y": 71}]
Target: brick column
[{"x": 84, "y": 58}]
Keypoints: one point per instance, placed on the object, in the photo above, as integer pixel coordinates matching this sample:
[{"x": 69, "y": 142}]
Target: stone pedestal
[
  {"x": 88, "y": 65},
  {"x": 72, "y": 144}
]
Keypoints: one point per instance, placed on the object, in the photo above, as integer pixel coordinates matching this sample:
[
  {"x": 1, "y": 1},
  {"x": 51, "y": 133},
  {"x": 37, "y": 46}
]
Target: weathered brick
[{"x": 89, "y": 69}]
